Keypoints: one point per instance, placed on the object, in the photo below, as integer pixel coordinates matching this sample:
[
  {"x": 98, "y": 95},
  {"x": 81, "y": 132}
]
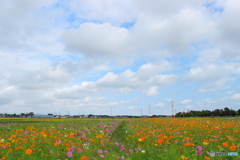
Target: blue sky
[{"x": 70, "y": 56}]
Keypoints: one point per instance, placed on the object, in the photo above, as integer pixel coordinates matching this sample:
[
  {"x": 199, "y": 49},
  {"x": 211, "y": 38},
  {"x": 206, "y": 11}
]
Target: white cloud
[
  {"x": 188, "y": 106},
  {"x": 82, "y": 54},
  {"x": 186, "y": 101},
  {"x": 152, "y": 91},
  {"x": 235, "y": 96},
  {"x": 119, "y": 103},
  {"x": 132, "y": 107},
  {"x": 228, "y": 30},
  {"x": 169, "y": 100},
  {"x": 98, "y": 40},
  {"x": 160, "y": 105}
]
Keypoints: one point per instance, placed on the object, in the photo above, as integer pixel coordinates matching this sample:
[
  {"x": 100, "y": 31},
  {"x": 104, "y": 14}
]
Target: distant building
[{"x": 43, "y": 116}]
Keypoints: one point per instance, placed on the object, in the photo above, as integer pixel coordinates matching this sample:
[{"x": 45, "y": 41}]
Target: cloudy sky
[{"x": 65, "y": 57}]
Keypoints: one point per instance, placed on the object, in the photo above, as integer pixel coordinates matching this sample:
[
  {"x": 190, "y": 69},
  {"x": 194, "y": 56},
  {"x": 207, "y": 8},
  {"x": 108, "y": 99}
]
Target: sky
[{"x": 80, "y": 56}]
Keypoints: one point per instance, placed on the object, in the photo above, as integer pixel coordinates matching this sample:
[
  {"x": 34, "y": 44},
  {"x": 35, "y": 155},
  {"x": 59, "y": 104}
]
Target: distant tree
[
  {"x": 233, "y": 113},
  {"x": 226, "y": 111}
]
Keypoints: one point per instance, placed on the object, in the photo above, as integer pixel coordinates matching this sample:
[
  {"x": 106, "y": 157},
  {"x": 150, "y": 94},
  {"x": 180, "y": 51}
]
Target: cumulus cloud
[
  {"x": 78, "y": 54},
  {"x": 228, "y": 30},
  {"x": 160, "y": 105},
  {"x": 98, "y": 40},
  {"x": 235, "y": 96},
  {"x": 132, "y": 107},
  {"x": 39, "y": 79},
  {"x": 186, "y": 101},
  {"x": 152, "y": 91},
  {"x": 207, "y": 74}
]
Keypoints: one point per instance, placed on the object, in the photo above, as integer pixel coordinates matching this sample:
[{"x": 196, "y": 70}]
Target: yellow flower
[
  {"x": 140, "y": 139},
  {"x": 183, "y": 157},
  {"x": 205, "y": 143}
]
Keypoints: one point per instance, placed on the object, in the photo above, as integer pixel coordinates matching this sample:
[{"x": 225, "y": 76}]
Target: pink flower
[
  {"x": 84, "y": 136},
  {"x": 69, "y": 154},
  {"x": 102, "y": 156},
  {"x": 130, "y": 150},
  {"x": 199, "y": 152},
  {"x": 122, "y": 147},
  {"x": 79, "y": 150},
  {"x": 105, "y": 151},
  {"x": 116, "y": 143},
  {"x": 199, "y": 148},
  {"x": 99, "y": 151}
]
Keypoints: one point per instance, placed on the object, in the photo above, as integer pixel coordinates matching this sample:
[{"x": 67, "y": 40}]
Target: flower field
[{"x": 130, "y": 139}]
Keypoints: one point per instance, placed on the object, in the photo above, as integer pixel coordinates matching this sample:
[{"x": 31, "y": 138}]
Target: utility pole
[
  {"x": 111, "y": 111},
  {"x": 172, "y": 109},
  {"x": 84, "y": 112},
  {"x": 141, "y": 112}
]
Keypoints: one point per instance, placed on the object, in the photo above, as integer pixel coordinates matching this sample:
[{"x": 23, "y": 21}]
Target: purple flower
[
  {"x": 102, "y": 156},
  {"x": 199, "y": 148},
  {"x": 69, "y": 154},
  {"x": 199, "y": 152},
  {"x": 116, "y": 143},
  {"x": 99, "y": 151},
  {"x": 84, "y": 136},
  {"x": 122, "y": 147},
  {"x": 165, "y": 150},
  {"x": 122, "y": 157},
  {"x": 51, "y": 151},
  {"x": 130, "y": 150},
  {"x": 105, "y": 151}
]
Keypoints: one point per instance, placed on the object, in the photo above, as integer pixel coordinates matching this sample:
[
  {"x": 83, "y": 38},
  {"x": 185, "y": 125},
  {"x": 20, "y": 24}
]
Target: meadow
[{"x": 130, "y": 139}]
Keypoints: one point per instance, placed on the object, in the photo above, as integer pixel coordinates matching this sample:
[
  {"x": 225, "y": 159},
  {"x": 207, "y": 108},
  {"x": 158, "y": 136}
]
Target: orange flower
[
  {"x": 187, "y": 144},
  {"x": 205, "y": 157},
  {"x": 9, "y": 150},
  {"x": 68, "y": 148},
  {"x": 28, "y": 151},
  {"x": 56, "y": 143},
  {"x": 141, "y": 139},
  {"x": 84, "y": 157},
  {"x": 160, "y": 140},
  {"x": 233, "y": 148},
  {"x": 8, "y": 144},
  {"x": 225, "y": 144}
]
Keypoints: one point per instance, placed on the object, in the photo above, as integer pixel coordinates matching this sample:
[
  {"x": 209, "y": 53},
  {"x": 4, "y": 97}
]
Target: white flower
[
  {"x": 143, "y": 151},
  {"x": 2, "y": 140},
  {"x": 85, "y": 145}
]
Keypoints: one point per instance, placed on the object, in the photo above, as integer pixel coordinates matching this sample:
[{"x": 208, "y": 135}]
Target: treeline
[{"x": 206, "y": 113}]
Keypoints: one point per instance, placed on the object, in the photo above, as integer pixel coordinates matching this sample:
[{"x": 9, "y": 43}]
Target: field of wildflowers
[{"x": 130, "y": 139}]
